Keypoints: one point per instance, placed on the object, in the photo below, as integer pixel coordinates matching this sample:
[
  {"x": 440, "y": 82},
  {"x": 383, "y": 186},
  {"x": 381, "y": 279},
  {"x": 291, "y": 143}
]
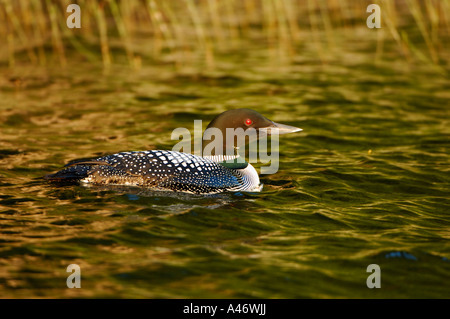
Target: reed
[
  {"x": 202, "y": 37},
  {"x": 103, "y": 31},
  {"x": 315, "y": 31},
  {"x": 39, "y": 32},
  {"x": 198, "y": 32},
  {"x": 422, "y": 21},
  {"x": 123, "y": 30},
  {"x": 57, "y": 40},
  {"x": 179, "y": 44},
  {"x": 19, "y": 29},
  {"x": 158, "y": 26},
  {"x": 216, "y": 21}
]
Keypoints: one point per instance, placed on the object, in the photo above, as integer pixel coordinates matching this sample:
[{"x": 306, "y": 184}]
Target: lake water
[{"x": 366, "y": 182}]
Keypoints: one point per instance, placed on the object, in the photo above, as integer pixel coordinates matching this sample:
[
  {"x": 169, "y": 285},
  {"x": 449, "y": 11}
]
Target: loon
[{"x": 182, "y": 172}]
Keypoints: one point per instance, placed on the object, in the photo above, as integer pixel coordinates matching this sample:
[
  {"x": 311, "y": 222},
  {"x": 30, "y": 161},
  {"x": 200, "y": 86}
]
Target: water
[{"x": 366, "y": 182}]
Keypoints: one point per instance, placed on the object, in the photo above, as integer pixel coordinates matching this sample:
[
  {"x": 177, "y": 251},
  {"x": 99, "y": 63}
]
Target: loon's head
[{"x": 245, "y": 122}]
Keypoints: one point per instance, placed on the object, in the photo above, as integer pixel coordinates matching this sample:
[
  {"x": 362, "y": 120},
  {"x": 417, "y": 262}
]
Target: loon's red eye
[{"x": 248, "y": 122}]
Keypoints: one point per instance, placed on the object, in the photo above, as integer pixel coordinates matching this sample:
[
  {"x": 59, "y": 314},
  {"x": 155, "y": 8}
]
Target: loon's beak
[{"x": 285, "y": 129}]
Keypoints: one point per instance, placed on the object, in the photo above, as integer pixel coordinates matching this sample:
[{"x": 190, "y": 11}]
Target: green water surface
[{"x": 366, "y": 182}]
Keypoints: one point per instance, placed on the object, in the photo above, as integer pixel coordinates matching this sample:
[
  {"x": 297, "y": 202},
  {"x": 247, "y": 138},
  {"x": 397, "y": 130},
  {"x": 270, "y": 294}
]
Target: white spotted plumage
[{"x": 170, "y": 170}]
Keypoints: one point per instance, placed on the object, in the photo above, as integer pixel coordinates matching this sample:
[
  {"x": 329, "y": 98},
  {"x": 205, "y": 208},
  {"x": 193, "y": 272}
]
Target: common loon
[{"x": 182, "y": 172}]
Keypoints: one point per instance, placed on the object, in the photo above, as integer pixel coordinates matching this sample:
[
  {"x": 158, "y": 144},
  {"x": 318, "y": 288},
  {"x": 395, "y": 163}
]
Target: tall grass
[{"x": 197, "y": 32}]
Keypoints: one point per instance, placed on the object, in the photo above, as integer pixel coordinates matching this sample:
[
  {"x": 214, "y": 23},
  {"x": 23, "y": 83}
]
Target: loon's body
[
  {"x": 163, "y": 170},
  {"x": 176, "y": 171}
]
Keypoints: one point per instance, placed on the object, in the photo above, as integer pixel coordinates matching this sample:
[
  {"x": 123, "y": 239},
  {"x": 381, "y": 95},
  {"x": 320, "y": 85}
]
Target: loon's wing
[
  {"x": 166, "y": 170},
  {"x": 156, "y": 169}
]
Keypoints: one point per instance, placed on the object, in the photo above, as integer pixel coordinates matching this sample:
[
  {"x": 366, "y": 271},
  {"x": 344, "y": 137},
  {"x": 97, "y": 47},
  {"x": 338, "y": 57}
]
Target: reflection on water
[{"x": 167, "y": 201}]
